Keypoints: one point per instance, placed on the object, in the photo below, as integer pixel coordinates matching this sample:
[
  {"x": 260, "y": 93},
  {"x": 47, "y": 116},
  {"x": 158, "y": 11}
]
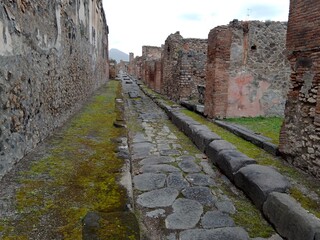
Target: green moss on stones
[
  {"x": 264, "y": 158},
  {"x": 79, "y": 174}
]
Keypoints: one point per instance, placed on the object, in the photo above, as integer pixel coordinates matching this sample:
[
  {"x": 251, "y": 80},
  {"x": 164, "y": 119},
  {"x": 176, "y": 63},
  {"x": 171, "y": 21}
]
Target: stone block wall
[
  {"x": 53, "y": 55},
  {"x": 135, "y": 67},
  {"x": 300, "y": 133},
  {"x": 184, "y": 64},
  {"x": 112, "y": 69},
  {"x": 248, "y": 72},
  {"x": 150, "y": 68}
]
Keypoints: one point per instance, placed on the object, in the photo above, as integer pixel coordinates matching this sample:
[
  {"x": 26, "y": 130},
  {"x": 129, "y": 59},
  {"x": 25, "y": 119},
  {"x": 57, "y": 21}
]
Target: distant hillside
[{"x": 118, "y": 55}]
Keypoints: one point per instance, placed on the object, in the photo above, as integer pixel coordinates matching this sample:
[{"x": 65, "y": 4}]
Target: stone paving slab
[
  {"x": 186, "y": 214},
  {"x": 175, "y": 191},
  {"x": 228, "y": 233}
]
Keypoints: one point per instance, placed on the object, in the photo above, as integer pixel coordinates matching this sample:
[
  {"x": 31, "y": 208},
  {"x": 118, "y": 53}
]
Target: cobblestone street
[{"x": 178, "y": 194}]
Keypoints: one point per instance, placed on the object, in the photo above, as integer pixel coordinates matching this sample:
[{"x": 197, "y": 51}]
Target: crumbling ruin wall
[
  {"x": 122, "y": 66},
  {"x": 53, "y": 55},
  {"x": 150, "y": 73},
  {"x": 112, "y": 69},
  {"x": 247, "y": 73},
  {"x": 184, "y": 67},
  {"x": 300, "y": 133},
  {"x": 135, "y": 67}
]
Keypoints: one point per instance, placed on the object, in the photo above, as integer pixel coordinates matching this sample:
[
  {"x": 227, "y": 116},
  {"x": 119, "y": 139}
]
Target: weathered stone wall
[
  {"x": 247, "y": 72},
  {"x": 122, "y": 66},
  {"x": 184, "y": 64},
  {"x": 53, "y": 55},
  {"x": 300, "y": 133},
  {"x": 135, "y": 67},
  {"x": 150, "y": 73},
  {"x": 112, "y": 69}
]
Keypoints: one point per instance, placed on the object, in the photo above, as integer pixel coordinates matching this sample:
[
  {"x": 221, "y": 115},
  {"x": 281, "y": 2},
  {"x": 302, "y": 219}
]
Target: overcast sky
[{"x": 134, "y": 23}]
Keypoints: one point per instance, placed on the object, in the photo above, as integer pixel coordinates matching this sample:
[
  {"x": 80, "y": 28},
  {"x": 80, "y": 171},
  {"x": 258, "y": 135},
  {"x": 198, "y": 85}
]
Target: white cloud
[{"x": 133, "y": 24}]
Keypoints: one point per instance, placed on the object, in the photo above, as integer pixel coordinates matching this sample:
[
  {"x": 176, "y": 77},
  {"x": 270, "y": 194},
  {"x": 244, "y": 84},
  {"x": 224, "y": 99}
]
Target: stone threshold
[
  {"x": 246, "y": 134},
  {"x": 265, "y": 186}
]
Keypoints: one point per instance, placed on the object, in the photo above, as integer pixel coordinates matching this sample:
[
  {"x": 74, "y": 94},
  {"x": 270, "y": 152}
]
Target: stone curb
[
  {"x": 258, "y": 140},
  {"x": 264, "y": 185},
  {"x": 290, "y": 219}
]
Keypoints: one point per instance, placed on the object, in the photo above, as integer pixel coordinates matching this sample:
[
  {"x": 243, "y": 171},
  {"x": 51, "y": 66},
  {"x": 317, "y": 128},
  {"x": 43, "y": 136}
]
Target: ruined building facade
[
  {"x": 247, "y": 70},
  {"x": 183, "y": 67},
  {"x": 300, "y": 133},
  {"x": 53, "y": 55},
  {"x": 151, "y": 67}
]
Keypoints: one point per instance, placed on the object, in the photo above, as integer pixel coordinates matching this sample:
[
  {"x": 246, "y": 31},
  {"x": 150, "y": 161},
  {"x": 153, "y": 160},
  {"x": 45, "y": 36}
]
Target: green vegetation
[
  {"x": 248, "y": 216},
  {"x": 266, "y": 126},
  {"x": 79, "y": 174},
  {"x": 264, "y": 158}
]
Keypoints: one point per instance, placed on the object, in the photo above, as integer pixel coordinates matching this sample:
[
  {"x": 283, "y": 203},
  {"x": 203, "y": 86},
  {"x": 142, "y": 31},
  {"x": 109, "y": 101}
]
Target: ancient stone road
[{"x": 177, "y": 193}]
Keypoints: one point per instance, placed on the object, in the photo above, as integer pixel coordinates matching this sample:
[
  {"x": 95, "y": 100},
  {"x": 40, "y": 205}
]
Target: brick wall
[
  {"x": 247, "y": 73},
  {"x": 300, "y": 133},
  {"x": 216, "y": 93},
  {"x": 184, "y": 64}
]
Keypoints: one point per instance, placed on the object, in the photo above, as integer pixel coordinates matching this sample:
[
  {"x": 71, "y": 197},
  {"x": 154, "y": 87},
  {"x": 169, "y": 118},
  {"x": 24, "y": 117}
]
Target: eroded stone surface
[
  {"x": 200, "y": 179},
  {"x": 152, "y": 160},
  {"x": 216, "y": 219},
  {"x": 200, "y": 194},
  {"x": 149, "y": 181},
  {"x": 186, "y": 214},
  {"x": 229, "y": 233},
  {"x": 176, "y": 180},
  {"x": 158, "y": 198},
  {"x": 189, "y": 166},
  {"x": 160, "y": 168}
]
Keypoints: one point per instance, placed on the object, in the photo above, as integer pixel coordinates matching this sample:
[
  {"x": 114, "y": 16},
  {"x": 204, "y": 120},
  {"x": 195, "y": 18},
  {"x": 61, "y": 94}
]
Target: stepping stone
[
  {"x": 186, "y": 158},
  {"x": 153, "y": 160},
  {"x": 160, "y": 168},
  {"x": 169, "y": 152},
  {"x": 201, "y": 194},
  {"x": 177, "y": 181},
  {"x": 141, "y": 150},
  {"x": 149, "y": 181},
  {"x": 186, "y": 214},
  {"x": 162, "y": 147},
  {"x": 226, "y": 206},
  {"x": 228, "y": 233},
  {"x": 189, "y": 166},
  {"x": 158, "y": 198},
  {"x": 200, "y": 179},
  {"x": 216, "y": 219}
]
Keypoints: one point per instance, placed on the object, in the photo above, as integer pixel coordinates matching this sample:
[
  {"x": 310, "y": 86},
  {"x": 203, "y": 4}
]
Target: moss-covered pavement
[{"x": 75, "y": 172}]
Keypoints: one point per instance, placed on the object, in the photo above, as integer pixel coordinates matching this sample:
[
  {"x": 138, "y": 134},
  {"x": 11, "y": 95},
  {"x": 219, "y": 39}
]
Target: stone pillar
[
  {"x": 300, "y": 133},
  {"x": 216, "y": 94}
]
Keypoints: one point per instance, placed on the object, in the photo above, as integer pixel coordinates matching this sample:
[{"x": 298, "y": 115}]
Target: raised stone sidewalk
[
  {"x": 175, "y": 190},
  {"x": 262, "y": 184}
]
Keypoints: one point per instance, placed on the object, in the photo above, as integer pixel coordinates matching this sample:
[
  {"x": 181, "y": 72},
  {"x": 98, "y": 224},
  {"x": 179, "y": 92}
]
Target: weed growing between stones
[{"x": 79, "y": 174}]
